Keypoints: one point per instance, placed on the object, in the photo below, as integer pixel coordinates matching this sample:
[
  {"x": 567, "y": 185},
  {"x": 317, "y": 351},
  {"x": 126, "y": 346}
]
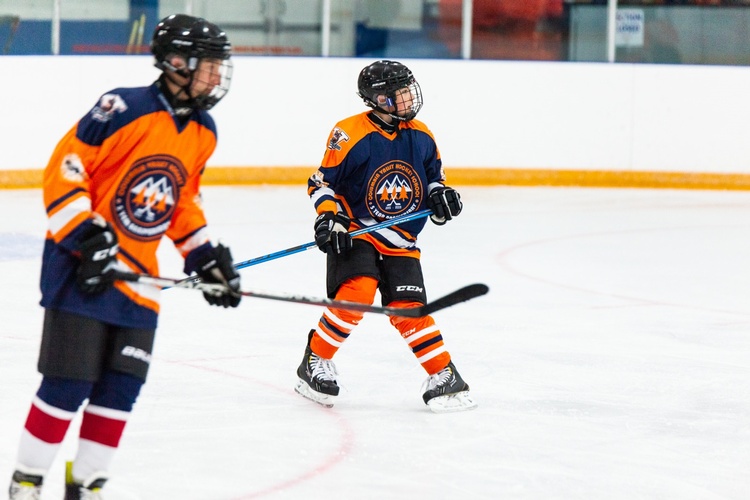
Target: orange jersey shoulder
[{"x": 130, "y": 161}]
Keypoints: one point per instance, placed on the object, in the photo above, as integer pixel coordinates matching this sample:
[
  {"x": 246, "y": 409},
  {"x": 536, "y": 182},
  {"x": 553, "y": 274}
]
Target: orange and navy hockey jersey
[
  {"x": 135, "y": 163},
  {"x": 373, "y": 175}
]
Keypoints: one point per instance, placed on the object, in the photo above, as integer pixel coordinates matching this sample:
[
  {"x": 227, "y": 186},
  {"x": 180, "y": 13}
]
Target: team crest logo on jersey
[
  {"x": 108, "y": 105},
  {"x": 72, "y": 168},
  {"x": 337, "y": 137},
  {"x": 147, "y": 196},
  {"x": 394, "y": 189}
]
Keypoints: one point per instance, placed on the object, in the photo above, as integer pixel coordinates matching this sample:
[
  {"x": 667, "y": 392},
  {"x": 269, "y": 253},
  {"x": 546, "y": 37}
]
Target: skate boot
[
  {"x": 25, "y": 486},
  {"x": 90, "y": 489},
  {"x": 446, "y": 391},
  {"x": 317, "y": 377}
]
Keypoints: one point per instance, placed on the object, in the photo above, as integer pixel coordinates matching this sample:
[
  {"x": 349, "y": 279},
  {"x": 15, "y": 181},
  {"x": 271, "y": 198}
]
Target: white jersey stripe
[
  {"x": 149, "y": 292},
  {"x": 320, "y": 193},
  {"x": 199, "y": 238},
  {"x": 395, "y": 238},
  {"x": 62, "y": 217}
]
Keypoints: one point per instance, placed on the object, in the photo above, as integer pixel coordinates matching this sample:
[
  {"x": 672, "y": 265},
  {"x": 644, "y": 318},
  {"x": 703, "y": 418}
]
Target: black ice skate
[
  {"x": 25, "y": 486},
  {"x": 89, "y": 490},
  {"x": 446, "y": 391},
  {"x": 317, "y": 377}
]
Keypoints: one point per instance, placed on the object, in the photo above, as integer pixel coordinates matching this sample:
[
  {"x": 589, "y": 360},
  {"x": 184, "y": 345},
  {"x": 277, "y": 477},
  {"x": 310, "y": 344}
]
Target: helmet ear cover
[
  {"x": 177, "y": 63},
  {"x": 383, "y": 101}
]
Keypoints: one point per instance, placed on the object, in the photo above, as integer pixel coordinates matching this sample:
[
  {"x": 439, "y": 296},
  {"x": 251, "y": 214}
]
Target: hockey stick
[
  {"x": 461, "y": 295},
  {"x": 312, "y": 244},
  {"x": 306, "y": 246}
]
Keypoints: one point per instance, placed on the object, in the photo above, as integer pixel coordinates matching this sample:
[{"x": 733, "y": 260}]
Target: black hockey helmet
[
  {"x": 379, "y": 82},
  {"x": 192, "y": 39}
]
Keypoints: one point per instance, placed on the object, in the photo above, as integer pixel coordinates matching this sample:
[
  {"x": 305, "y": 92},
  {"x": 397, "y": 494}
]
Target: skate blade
[
  {"x": 305, "y": 391},
  {"x": 460, "y": 401}
]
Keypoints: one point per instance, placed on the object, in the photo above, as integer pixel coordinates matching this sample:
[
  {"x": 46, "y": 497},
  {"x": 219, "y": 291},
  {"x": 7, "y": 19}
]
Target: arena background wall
[{"x": 495, "y": 122}]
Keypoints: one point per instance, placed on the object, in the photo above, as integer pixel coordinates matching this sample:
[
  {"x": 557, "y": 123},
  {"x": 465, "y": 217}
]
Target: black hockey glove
[
  {"x": 98, "y": 247},
  {"x": 215, "y": 265},
  {"x": 331, "y": 232},
  {"x": 445, "y": 204}
]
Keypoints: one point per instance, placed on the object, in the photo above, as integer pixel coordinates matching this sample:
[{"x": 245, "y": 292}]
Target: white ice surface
[{"x": 610, "y": 360}]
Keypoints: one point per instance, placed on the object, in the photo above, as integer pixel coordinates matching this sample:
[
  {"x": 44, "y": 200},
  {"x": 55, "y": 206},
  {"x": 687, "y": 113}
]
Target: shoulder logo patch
[
  {"x": 72, "y": 168},
  {"x": 337, "y": 137},
  {"x": 318, "y": 179},
  {"x": 108, "y": 105}
]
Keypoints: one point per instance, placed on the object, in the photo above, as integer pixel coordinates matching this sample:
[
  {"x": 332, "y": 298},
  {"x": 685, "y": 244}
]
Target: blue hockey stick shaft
[{"x": 301, "y": 248}]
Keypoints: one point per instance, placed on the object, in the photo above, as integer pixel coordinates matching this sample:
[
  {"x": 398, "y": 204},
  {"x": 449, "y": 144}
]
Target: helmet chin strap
[
  {"x": 383, "y": 100},
  {"x": 180, "y": 104},
  {"x": 380, "y": 102},
  {"x": 186, "y": 70},
  {"x": 393, "y": 115}
]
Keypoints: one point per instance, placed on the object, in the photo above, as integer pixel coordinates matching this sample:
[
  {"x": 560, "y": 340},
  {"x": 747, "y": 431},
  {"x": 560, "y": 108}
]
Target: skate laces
[
  {"x": 437, "y": 380},
  {"x": 25, "y": 486},
  {"x": 87, "y": 494},
  {"x": 321, "y": 368},
  {"x": 21, "y": 491}
]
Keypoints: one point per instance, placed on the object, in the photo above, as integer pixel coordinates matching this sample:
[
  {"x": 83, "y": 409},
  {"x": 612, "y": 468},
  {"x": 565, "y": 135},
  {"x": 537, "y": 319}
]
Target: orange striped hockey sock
[
  {"x": 335, "y": 325},
  {"x": 423, "y": 338}
]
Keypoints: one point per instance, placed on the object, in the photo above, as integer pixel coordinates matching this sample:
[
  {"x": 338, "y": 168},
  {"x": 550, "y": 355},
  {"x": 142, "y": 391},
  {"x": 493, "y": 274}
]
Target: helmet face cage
[
  {"x": 390, "y": 87},
  {"x": 193, "y": 40},
  {"x": 221, "y": 71}
]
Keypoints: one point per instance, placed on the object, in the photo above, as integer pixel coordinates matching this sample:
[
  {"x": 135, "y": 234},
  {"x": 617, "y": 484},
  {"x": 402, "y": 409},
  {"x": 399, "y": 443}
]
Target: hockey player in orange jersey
[
  {"x": 124, "y": 176},
  {"x": 378, "y": 165}
]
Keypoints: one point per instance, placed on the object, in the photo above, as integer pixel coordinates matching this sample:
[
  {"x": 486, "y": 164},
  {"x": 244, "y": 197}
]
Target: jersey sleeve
[
  {"x": 339, "y": 159},
  {"x": 67, "y": 192},
  {"x": 433, "y": 164},
  {"x": 188, "y": 227},
  {"x": 66, "y": 188}
]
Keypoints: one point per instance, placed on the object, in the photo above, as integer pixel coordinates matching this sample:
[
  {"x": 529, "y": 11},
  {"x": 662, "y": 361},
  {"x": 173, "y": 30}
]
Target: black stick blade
[{"x": 461, "y": 295}]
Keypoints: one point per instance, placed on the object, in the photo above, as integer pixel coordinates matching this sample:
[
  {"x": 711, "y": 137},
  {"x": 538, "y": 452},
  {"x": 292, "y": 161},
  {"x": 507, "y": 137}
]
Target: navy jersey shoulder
[
  {"x": 202, "y": 118},
  {"x": 413, "y": 145},
  {"x": 114, "y": 110}
]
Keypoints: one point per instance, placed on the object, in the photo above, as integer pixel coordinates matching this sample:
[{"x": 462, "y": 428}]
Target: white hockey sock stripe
[
  {"x": 335, "y": 343},
  {"x": 432, "y": 354},
  {"x": 53, "y": 411},
  {"x": 109, "y": 413},
  {"x": 332, "y": 318},
  {"x": 92, "y": 458},
  {"x": 35, "y": 454},
  {"x": 421, "y": 333}
]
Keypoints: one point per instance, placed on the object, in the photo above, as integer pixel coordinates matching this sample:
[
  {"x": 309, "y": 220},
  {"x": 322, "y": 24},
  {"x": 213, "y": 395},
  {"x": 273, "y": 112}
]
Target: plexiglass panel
[{"x": 647, "y": 31}]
